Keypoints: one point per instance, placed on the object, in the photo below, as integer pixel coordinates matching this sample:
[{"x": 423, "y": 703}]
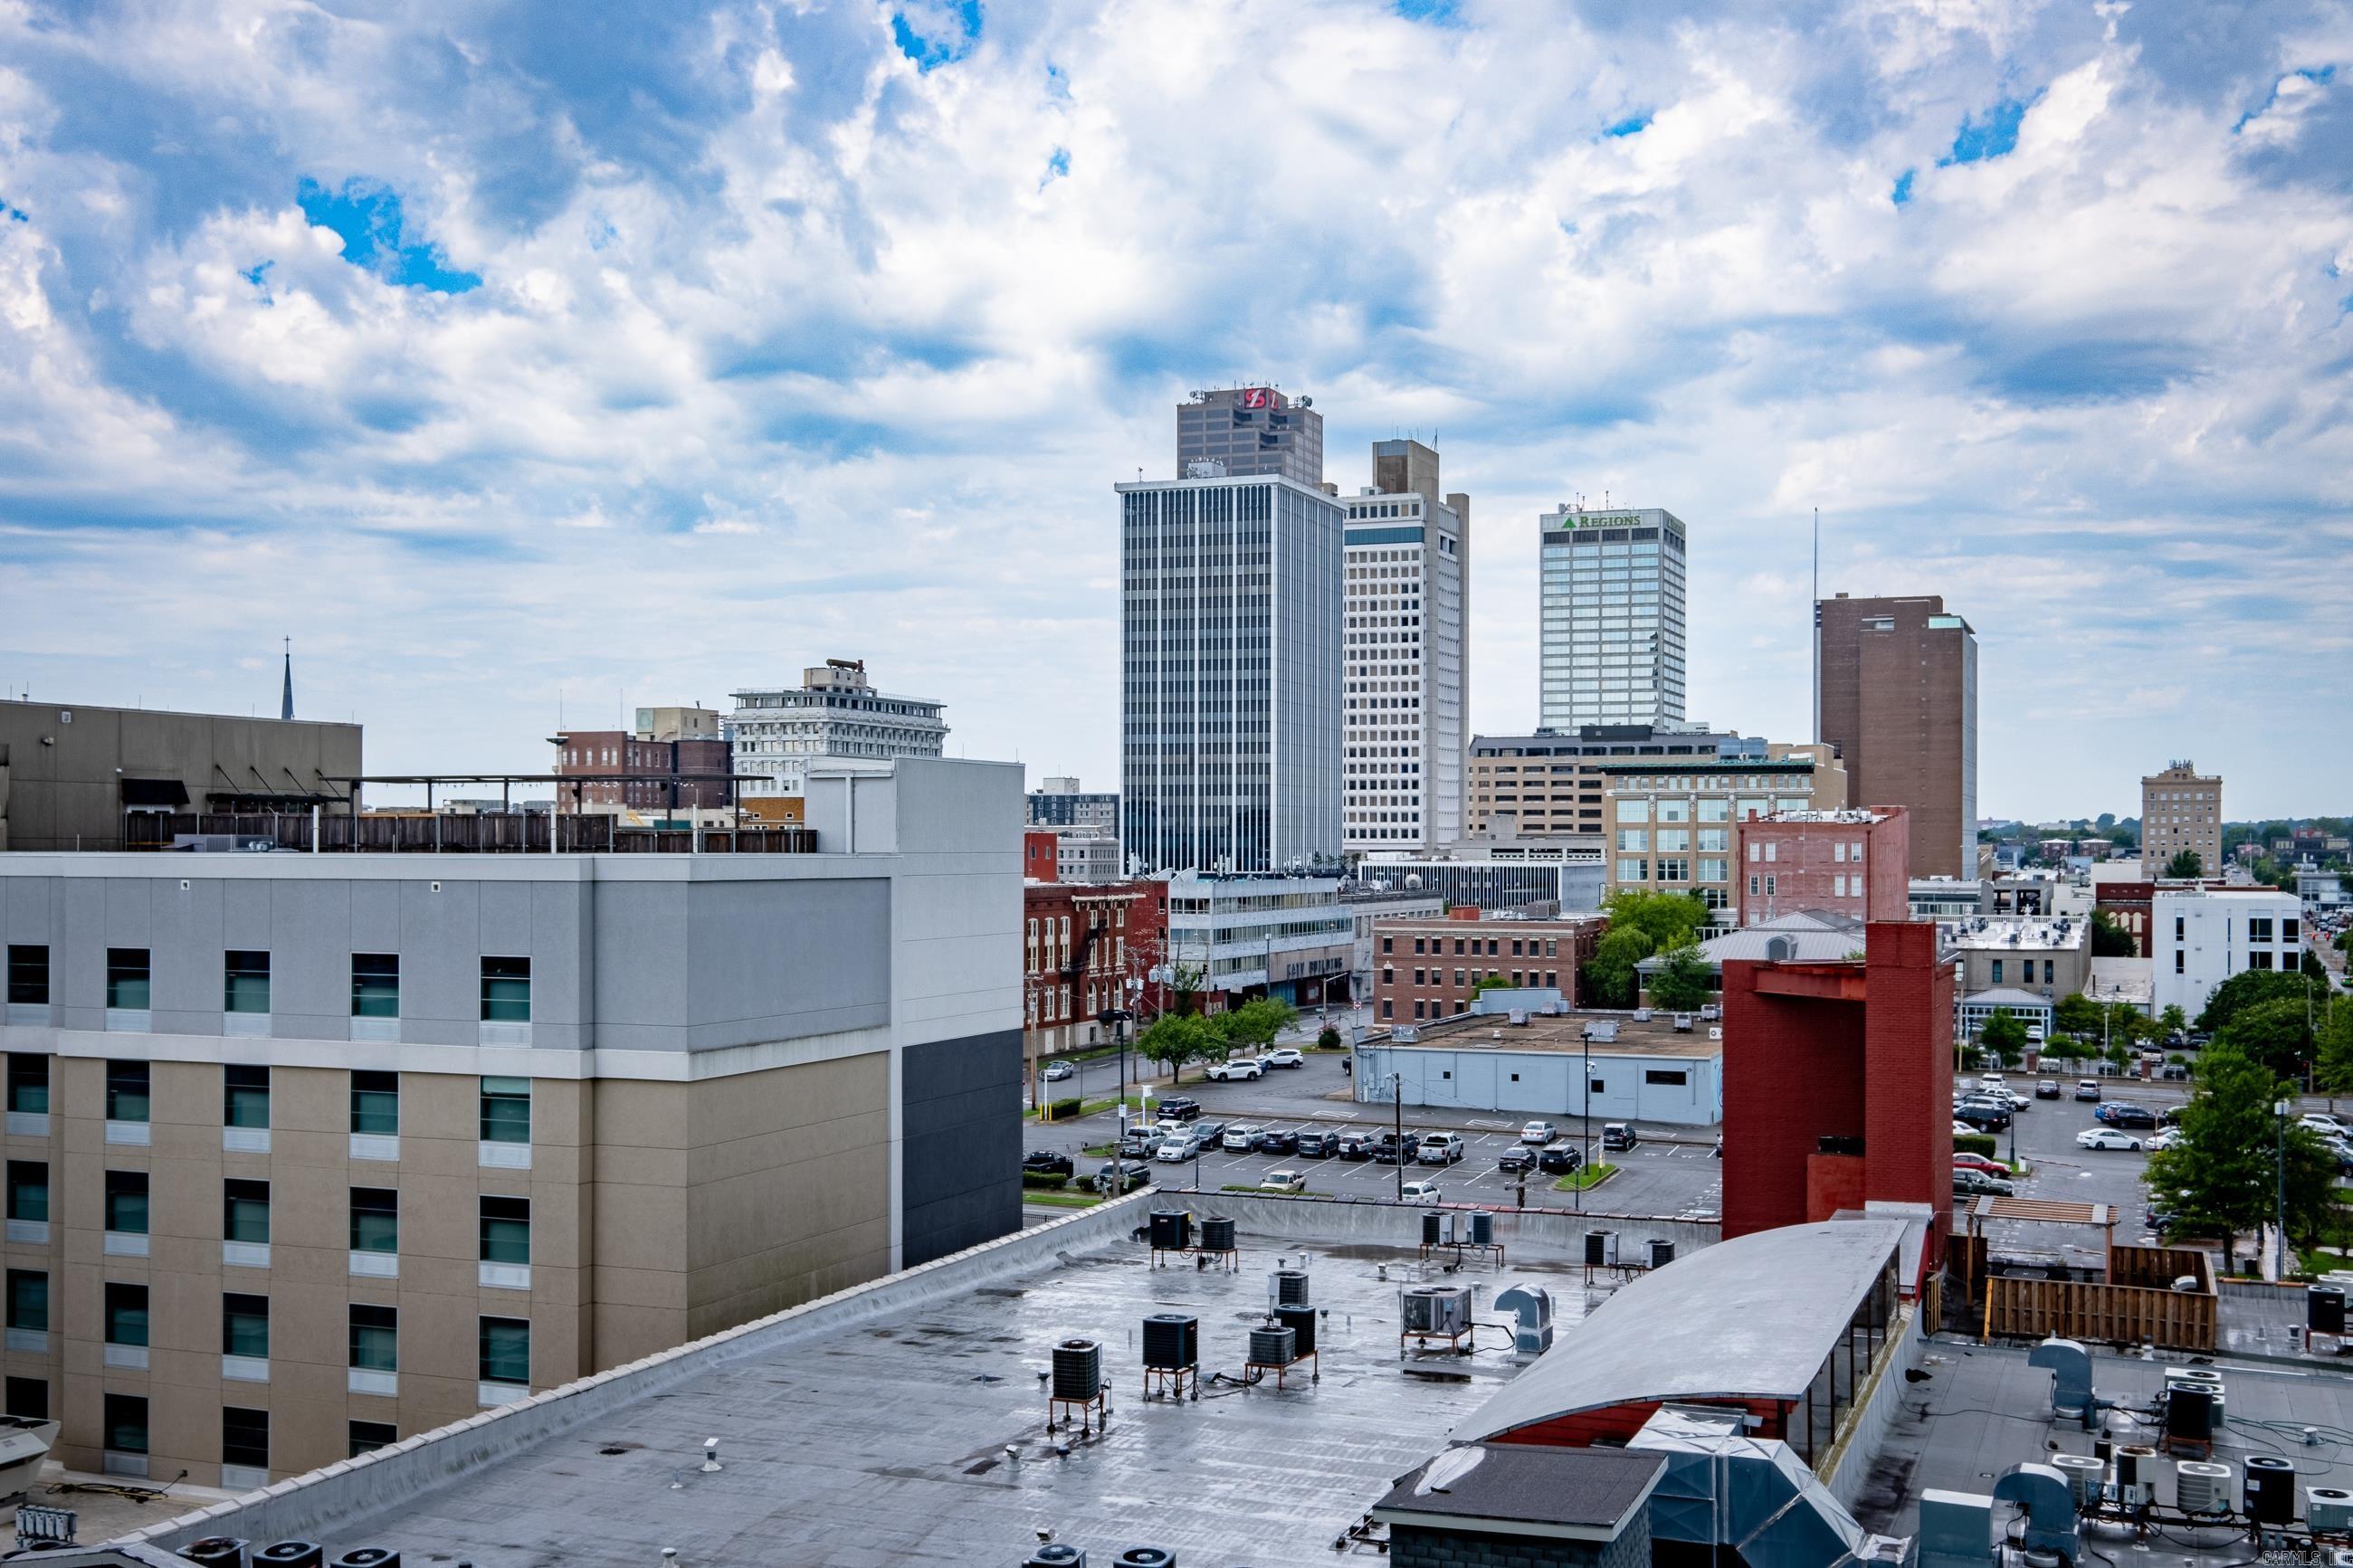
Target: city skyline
[{"x": 429, "y": 343}]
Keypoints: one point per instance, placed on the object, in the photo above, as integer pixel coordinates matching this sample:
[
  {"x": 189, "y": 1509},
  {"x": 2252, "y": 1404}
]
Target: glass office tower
[{"x": 1612, "y": 602}]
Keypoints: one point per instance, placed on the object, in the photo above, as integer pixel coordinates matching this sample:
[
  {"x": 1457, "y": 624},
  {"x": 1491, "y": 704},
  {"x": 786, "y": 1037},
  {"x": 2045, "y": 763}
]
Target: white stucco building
[{"x": 2200, "y": 937}]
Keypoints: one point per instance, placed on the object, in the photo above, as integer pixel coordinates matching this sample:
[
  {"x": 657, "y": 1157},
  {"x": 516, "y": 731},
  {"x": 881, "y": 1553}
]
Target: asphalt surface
[{"x": 2059, "y": 1170}]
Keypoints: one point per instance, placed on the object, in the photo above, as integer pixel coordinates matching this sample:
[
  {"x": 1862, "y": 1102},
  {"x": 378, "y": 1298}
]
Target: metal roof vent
[{"x": 1779, "y": 949}]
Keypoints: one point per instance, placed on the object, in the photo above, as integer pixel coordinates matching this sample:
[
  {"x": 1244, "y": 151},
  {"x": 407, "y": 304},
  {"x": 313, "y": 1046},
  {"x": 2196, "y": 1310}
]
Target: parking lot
[{"x": 2058, "y": 1170}]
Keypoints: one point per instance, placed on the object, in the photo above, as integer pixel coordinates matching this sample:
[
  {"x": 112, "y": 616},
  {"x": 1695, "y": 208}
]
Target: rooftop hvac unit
[
  {"x": 2189, "y": 1413},
  {"x": 1662, "y": 1251},
  {"x": 367, "y": 1557},
  {"x": 1147, "y": 1557},
  {"x": 1054, "y": 1554},
  {"x": 1217, "y": 1234},
  {"x": 1078, "y": 1370},
  {"x": 1600, "y": 1248},
  {"x": 2201, "y": 1488},
  {"x": 1171, "y": 1340},
  {"x": 1481, "y": 1227},
  {"x": 292, "y": 1554},
  {"x": 1683, "y": 1022},
  {"x": 2140, "y": 1469},
  {"x": 1438, "y": 1309},
  {"x": 218, "y": 1551},
  {"x": 2324, "y": 1309},
  {"x": 2270, "y": 1489},
  {"x": 1276, "y": 1346},
  {"x": 1641, "y": 1015},
  {"x": 1301, "y": 1321},
  {"x": 1287, "y": 1288},
  {"x": 2198, "y": 1377},
  {"x": 2087, "y": 1477},
  {"x": 2328, "y": 1509},
  {"x": 1434, "y": 1227},
  {"x": 1172, "y": 1230}
]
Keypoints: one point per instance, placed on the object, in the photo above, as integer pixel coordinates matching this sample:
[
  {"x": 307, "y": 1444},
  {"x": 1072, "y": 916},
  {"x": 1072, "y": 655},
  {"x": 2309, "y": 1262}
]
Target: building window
[
  {"x": 245, "y": 1097},
  {"x": 376, "y": 1103},
  {"x": 506, "y": 1350},
  {"x": 29, "y": 1300},
  {"x": 244, "y": 1326},
  {"x": 368, "y": 1436},
  {"x": 1417, "y": 1009},
  {"x": 126, "y": 1315},
  {"x": 375, "y": 1338},
  {"x": 28, "y": 1398},
  {"x": 28, "y": 1083},
  {"x": 1388, "y": 1009},
  {"x": 506, "y": 1111},
  {"x": 29, "y": 1190},
  {"x": 126, "y": 1091},
  {"x": 505, "y": 1230},
  {"x": 1634, "y": 871},
  {"x": 245, "y": 1211},
  {"x": 244, "y": 985},
  {"x": 2176, "y": 961},
  {"x": 1676, "y": 1077},
  {"x": 126, "y": 1202},
  {"x": 28, "y": 978},
  {"x": 2259, "y": 928},
  {"x": 1389, "y": 945},
  {"x": 375, "y": 1220},
  {"x": 245, "y": 1437},
  {"x": 126, "y": 1423},
  {"x": 375, "y": 985},
  {"x": 126, "y": 985},
  {"x": 506, "y": 990}
]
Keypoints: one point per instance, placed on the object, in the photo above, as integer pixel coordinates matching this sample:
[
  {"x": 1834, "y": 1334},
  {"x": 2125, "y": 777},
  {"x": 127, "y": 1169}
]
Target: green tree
[
  {"x": 1175, "y": 1038},
  {"x": 2244, "y": 990},
  {"x": 2185, "y": 864},
  {"x": 1669, "y": 920},
  {"x": 1610, "y": 973},
  {"x": 2273, "y": 1034},
  {"x": 2223, "y": 1173},
  {"x": 1329, "y": 1040},
  {"x": 1683, "y": 982},
  {"x": 2332, "y": 1071},
  {"x": 1490, "y": 983},
  {"x": 1256, "y": 1023},
  {"x": 2173, "y": 1020},
  {"x": 2077, "y": 1015},
  {"x": 2004, "y": 1034},
  {"x": 2110, "y": 940},
  {"x": 2068, "y": 1048}
]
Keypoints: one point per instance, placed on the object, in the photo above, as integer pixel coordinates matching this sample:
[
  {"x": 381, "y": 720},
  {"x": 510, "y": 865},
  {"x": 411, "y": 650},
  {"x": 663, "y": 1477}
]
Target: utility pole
[
  {"x": 1397, "y": 1091},
  {"x": 2279, "y": 1202}
]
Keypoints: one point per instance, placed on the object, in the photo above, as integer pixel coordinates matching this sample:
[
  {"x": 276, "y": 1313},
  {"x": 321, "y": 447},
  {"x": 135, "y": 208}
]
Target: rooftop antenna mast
[{"x": 1815, "y": 610}]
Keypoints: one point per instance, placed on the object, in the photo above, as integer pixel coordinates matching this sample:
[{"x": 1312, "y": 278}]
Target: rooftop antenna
[{"x": 1816, "y": 612}]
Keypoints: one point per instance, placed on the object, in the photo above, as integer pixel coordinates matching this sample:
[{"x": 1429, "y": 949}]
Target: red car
[{"x": 1980, "y": 1163}]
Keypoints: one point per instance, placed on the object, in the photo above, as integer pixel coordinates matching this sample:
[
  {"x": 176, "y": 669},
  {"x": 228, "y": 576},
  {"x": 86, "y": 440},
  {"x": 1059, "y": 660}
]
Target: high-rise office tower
[
  {"x": 1231, "y": 674},
  {"x": 1251, "y": 430},
  {"x": 2180, "y": 808},
  {"x": 1899, "y": 699},
  {"x": 1409, "y": 674},
  {"x": 1612, "y": 602}
]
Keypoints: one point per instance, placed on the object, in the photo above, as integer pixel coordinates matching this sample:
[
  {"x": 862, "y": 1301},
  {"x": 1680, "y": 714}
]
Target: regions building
[
  {"x": 2201, "y": 937},
  {"x": 1899, "y": 699},
  {"x": 1432, "y": 966},
  {"x": 1407, "y": 654},
  {"x": 1611, "y": 638},
  {"x": 75, "y": 777},
  {"x": 1551, "y": 785},
  {"x": 1261, "y": 935},
  {"x": 1231, "y": 630},
  {"x": 834, "y": 712},
  {"x": 674, "y": 760},
  {"x": 1252, "y": 431},
  {"x": 1848, "y": 862},
  {"x": 2180, "y": 810},
  {"x": 1670, "y": 820},
  {"x": 308, "y": 1154}
]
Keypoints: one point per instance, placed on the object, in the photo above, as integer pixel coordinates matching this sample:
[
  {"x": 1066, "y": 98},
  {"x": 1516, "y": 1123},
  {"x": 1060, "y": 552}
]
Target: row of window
[
  {"x": 503, "y": 1223},
  {"x": 245, "y": 981},
  {"x": 2025, "y": 972},
  {"x": 1548, "y": 977},
  {"x": 505, "y": 1103},
  {"x": 1438, "y": 944}
]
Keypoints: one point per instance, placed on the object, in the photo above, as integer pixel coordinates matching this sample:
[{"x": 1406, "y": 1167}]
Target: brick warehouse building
[
  {"x": 1838, "y": 1082},
  {"x": 1424, "y": 967},
  {"x": 1080, "y": 943},
  {"x": 1854, "y": 862}
]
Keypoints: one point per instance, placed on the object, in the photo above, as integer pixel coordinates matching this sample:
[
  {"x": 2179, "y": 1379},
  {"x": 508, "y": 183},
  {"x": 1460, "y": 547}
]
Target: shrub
[
  {"x": 1044, "y": 1179},
  {"x": 1974, "y": 1143},
  {"x": 1060, "y": 1108}
]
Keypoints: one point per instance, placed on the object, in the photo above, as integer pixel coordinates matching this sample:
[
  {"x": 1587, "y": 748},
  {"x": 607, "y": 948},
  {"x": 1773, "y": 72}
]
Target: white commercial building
[
  {"x": 1612, "y": 603},
  {"x": 2200, "y": 937},
  {"x": 1527, "y": 1063},
  {"x": 1286, "y": 934},
  {"x": 1408, "y": 669},
  {"x": 779, "y": 730}
]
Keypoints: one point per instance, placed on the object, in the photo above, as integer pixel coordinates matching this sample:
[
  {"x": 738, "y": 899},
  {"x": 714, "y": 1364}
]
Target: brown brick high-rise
[{"x": 1899, "y": 699}]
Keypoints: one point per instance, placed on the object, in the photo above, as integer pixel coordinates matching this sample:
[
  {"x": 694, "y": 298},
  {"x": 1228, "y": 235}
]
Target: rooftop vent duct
[
  {"x": 1078, "y": 1370},
  {"x": 2070, "y": 1365},
  {"x": 1754, "y": 1495},
  {"x": 1532, "y": 1304},
  {"x": 2049, "y": 1507}
]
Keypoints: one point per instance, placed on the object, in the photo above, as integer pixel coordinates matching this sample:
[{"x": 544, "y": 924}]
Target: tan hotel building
[
  {"x": 2180, "y": 808},
  {"x": 1671, "y": 821}
]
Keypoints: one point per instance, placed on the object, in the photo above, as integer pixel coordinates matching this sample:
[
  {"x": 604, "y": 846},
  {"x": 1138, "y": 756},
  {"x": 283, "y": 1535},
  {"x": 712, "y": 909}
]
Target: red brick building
[
  {"x": 1080, "y": 943},
  {"x": 1838, "y": 1082},
  {"x": 661, "y": 775},
  {"x": 1856, "y": 862},
  {"x": 1425, "y": 966},
  {"x": 1040, "y": 853}
]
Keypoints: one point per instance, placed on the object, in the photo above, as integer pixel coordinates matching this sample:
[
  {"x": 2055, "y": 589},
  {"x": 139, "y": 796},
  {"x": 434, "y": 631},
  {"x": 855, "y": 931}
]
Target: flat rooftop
[
  {"x": 918, "y": 1436},
  {"x": 1654, "y": 1036}
]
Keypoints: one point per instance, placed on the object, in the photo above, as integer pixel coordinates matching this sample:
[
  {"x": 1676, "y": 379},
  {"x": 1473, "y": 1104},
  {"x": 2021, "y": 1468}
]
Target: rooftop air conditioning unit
[{"x": 1438, "y": 1309}]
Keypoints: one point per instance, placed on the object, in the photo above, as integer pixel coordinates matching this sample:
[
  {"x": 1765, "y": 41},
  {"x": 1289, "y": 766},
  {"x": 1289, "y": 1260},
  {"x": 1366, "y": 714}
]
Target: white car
[
  {"x": 1177, "y": 1150},
  {"x": 1241, "y": 1138},
  {"x": 1057, "y": 1071},
  {"x": 1421, "y": 1192},
  {"x": 2108, "y": 1138},
  {"x": 2165, "y": 1138},
  {"x": 1963, "y": 1130},
  {"x": 1539, "y": 1134},
  {"x": 1241, "y": 1070},
  {"x": 1283, "y": 1181},
  {"x": 1283, "y": 1057},
  {"x": 2326, "y": 1126}
]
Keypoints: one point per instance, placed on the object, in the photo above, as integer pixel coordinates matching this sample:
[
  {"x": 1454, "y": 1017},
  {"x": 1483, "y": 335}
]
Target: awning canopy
[{"x": 167, "y": 794}]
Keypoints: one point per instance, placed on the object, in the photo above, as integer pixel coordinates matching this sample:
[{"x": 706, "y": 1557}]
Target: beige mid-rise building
[
  {"x": 1672, "y": 822},
  {"x": 1550, "y": 785},
  {"x": 309, "y": 1154},
  {"x": 2180, "y": 809}
]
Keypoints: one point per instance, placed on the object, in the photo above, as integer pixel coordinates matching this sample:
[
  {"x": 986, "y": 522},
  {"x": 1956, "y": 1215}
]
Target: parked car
[
  {"x": 1283, "y": 1181},
  {"x": 1048, "y": 1162},
  {"x": 2326, "y": 1125},
  {"x": 1139, "y": 1144},
  {"x": 2106, "y": 1137},
  {"x": 2124, "y": 1113},
  {"x": 1421, "y": 1192},
  {"x": 1355, "y": 1146},
  {"x": 1619, "y": 1135},
  {"x": 1560, "y": 1159},
  {"x": 2046, "y": 1089},
  {"x": 1180, "y": 1106},
  {"x": 2088, "y": 1089},
  {"x": 2170, "y": 1116},
  {"x": 1278, "y": 1141},
  {"x": 1539, "y": 1134},
  {"x": 2177, "y": 1071},
  {"x": 1962, "y": 1128},
  {"x": 1176, "y": 1151},
  {"x": 1057, "y": 1071},
  {"x": 1284, "y": 1056},
  {"x": 1391, "y": 1150},
  {"x": 1212, "y": 1134},
  {"x": 1240, "y": 1069},
  {"x": 1315, "y": 1144},
  {"x": 1441, "y": 1149},
  {"x": 2165, "y": 1138},
  {"x": 1122, "y": 1176},
  {"x": 1240, "y": 1138},
  {"x": 1983, "y": 1118},
  {"x": 1517, "y": 1160},
  {"x": 1980, "y": 1164},
  {"x": 1977, "y": 1183}
]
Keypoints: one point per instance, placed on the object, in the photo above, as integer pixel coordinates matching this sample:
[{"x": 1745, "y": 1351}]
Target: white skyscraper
[
  {"x": 1409, "y": 673},
  {"x": 1613, "y": 617}
]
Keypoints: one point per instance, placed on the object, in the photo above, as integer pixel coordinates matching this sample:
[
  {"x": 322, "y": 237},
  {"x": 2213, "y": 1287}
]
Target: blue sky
[{"x": 519, "y": 360}]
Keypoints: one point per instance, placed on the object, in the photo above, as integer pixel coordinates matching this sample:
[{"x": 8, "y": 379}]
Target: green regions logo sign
[{"x": 1601, "y": 520}]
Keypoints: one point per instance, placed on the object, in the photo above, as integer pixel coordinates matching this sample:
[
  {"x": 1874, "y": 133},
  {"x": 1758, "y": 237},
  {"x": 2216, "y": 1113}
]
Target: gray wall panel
[
  {"x": 960, "y": 1158},
  {"x": 310, "y": 958}
]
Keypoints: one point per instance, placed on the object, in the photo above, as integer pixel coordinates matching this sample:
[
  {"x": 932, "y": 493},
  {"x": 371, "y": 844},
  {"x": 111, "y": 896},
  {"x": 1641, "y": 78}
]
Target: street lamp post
[
  {"x": 1396, "y": 1092},
  {"x": 1584, "y": 1113}
]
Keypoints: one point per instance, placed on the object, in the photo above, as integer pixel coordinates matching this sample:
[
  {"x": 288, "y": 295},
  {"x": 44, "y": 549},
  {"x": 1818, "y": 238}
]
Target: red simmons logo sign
[{"x": 1255, "y": 397}]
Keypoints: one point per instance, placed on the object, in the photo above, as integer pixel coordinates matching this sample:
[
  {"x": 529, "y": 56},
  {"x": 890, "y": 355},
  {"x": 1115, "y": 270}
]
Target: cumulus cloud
[{"x": 495, "y": 358}]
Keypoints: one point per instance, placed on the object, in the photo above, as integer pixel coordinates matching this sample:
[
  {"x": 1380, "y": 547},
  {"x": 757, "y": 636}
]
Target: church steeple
[{"x": 286, "y": 701}]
